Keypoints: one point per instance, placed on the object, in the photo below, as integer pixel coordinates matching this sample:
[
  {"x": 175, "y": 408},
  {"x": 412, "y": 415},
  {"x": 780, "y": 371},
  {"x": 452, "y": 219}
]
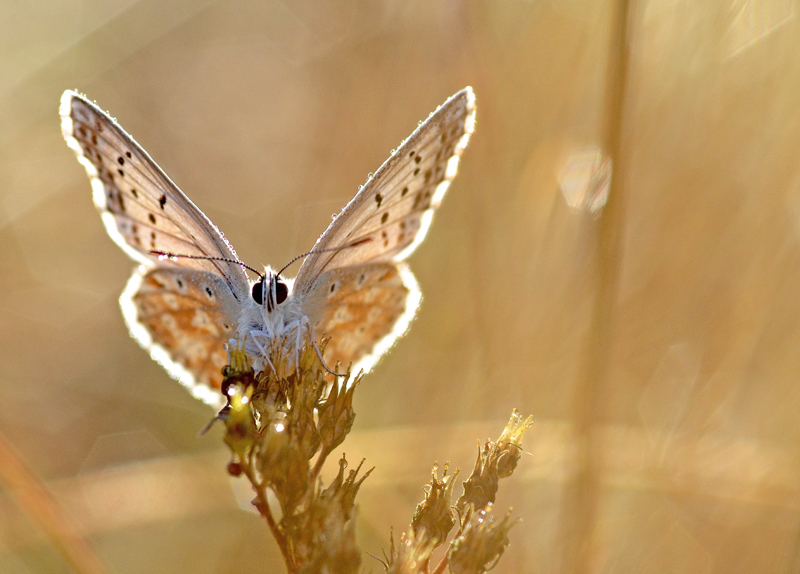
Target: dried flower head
[
  {"x": 281, "y": 425},
  {"x": 434, "y": 517},
  {"x": 481, "y": 543},
  {"x": 510, "y": 443},
  {"x": 322, "y": 533},
  {"x": 495, "y": 460},
  {"x": 336, "y": 414},
  {"x": 410, "y": 556}
]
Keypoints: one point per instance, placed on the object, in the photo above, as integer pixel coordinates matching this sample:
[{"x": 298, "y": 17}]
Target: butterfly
[{"x": 191, "y": 294}]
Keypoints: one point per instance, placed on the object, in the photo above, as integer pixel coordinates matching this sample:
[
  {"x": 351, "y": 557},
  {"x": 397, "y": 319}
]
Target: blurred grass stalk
[{"x": 36, "y": 500}]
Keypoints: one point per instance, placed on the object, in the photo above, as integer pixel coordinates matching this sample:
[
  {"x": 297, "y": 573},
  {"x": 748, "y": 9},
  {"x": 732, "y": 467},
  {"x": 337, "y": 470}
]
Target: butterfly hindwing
[
  {"x": 362, "y": 309},
  {"x": 142, "y": 209},
  {"x": 390, "y": 215},
  {"x": 182, "y": 317}
]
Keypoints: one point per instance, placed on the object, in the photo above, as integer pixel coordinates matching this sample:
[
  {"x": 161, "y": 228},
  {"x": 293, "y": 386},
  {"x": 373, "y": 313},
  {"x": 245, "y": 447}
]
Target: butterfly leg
[
  {"x": 263, "y": 353},
  {"x": 324, "y": 365},
  {"x": 285, "y": 338},
  {"x": 302, "y": 326}
]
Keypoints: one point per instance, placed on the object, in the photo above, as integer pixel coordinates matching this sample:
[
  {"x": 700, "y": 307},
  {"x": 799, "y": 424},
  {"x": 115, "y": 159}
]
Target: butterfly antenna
[
  {"x": 166, "y": 255},
  {"x": 315, "y": 251}
]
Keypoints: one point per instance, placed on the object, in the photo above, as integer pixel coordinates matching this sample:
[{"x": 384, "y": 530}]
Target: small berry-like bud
[{"x": 234, "y": 468}]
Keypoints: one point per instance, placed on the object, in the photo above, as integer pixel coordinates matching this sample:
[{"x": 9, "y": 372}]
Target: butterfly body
[
  {"x": 191, "y": 295},
  {"x": 274, "y": 323}
]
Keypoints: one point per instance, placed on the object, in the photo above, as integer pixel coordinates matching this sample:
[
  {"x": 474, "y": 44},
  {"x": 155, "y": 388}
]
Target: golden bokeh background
[{"x": 655, "y": 338}]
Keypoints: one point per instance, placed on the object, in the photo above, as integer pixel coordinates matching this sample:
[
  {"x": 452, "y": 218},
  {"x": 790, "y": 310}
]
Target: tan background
[{"x": 657, "y": 344}]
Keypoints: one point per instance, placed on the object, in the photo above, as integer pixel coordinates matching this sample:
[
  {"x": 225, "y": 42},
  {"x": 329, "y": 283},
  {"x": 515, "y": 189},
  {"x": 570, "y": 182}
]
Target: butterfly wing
[
  {"x": 182, "y": 317},
  {"x": 364, "y": 308},
  {"x": 180, "y": 310},
  {"x": 142, "y": 209},
  {"x": 389, "y": 216},
  {"x": 361, "y": 297}
]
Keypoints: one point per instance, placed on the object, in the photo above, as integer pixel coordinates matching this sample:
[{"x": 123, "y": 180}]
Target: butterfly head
[{"x": 270, "y": 290}]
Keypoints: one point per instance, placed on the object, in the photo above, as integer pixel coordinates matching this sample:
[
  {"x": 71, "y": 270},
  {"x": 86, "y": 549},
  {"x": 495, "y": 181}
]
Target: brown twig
[{"x": 262, "y": 504}]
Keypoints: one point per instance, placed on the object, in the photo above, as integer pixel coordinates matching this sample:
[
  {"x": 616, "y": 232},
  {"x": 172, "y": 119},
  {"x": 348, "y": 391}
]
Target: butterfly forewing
[
  {"x": 389, "y": 216},
  {"x": 141, "y": 207}
]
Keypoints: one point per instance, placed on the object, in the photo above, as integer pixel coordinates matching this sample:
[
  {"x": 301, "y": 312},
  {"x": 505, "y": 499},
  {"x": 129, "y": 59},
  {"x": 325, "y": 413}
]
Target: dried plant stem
[
  {"x": 318, "y": 465},
  {"x": 262, "y": 504},
  {"x": 440, "y": 566}
]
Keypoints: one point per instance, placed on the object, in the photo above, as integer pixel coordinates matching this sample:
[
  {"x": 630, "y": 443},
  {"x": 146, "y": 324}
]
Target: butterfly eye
[
  {"x": 258, "y": 291},
  {"x": 281, "y": 292}
]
